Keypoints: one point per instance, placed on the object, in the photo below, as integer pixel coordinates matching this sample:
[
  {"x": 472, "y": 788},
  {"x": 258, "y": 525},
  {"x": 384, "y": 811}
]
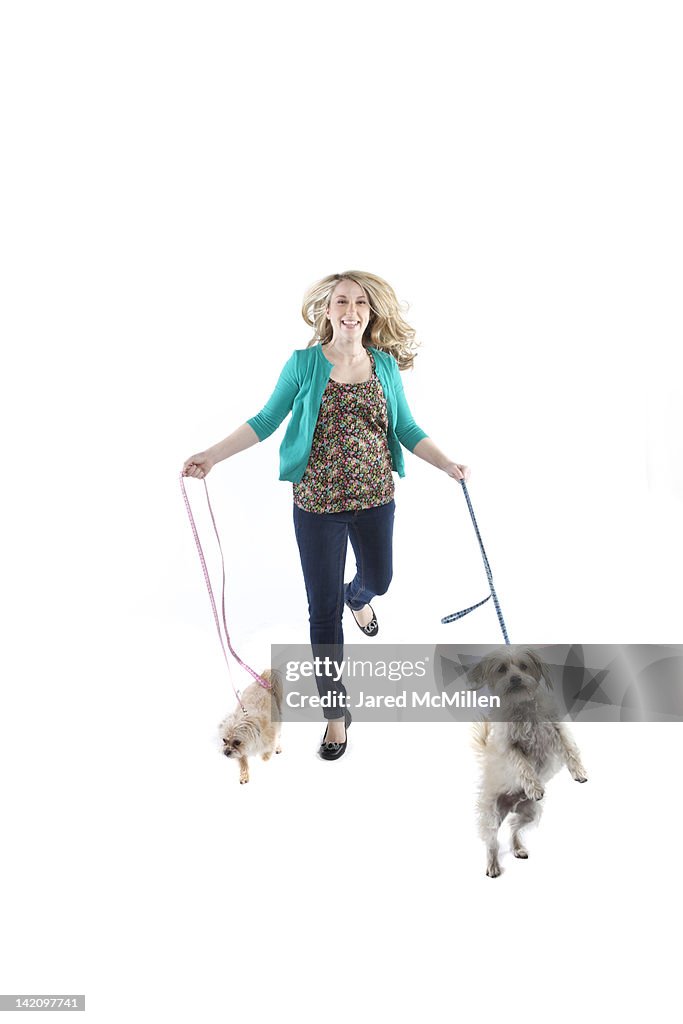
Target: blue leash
[{"x": 466, "y": 611}]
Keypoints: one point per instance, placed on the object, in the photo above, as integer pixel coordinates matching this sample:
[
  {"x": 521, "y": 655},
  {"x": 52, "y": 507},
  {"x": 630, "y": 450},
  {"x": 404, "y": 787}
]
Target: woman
[{"x": 349, "y": 420}]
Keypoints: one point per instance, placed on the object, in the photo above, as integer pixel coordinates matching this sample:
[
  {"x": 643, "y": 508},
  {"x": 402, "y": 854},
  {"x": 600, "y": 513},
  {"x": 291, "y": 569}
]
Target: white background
[{"x": 174, "y": 177}]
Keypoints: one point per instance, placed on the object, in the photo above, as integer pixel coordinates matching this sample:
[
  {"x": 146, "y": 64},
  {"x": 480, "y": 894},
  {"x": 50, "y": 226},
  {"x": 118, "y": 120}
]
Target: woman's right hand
[{"x": 198, "y": 465}]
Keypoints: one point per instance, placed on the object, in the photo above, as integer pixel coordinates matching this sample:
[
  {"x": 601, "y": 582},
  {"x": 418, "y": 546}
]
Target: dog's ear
[
  {"x": 541, "y": 668},
  {"x": 477, "y": 675}
]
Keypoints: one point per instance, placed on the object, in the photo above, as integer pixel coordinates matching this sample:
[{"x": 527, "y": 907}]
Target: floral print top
[{"x": 349, "y": 467}]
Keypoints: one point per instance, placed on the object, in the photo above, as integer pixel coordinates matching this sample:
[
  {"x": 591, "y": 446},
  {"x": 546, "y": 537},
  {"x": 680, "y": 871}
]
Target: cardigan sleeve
[
  {"x": 407, "y": 430},
  {"x": 265, "y": 422}
]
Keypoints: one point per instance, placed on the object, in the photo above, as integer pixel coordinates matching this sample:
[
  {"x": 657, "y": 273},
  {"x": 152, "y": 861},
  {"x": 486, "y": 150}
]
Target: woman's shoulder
[
  {"x": 382, "y": 353},
  {"x": 300, "y": 357},
  {"x": 304, "y": 355},
  {"x": 300, "y": 364},
  {"x": 385, "y": 359}
]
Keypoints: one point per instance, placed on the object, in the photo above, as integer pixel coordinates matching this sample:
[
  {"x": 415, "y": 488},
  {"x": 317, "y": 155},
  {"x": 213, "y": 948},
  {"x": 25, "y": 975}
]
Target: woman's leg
[
  {"x": 322, "y": 539},
  {"x": 371, "y": 531}
]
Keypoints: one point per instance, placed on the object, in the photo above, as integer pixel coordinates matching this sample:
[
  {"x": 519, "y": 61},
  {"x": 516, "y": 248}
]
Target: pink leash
[{"x": 257, "y": 678}]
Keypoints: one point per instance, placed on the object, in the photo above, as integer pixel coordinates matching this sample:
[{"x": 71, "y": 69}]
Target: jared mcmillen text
[{"x": 459, "y": 699}]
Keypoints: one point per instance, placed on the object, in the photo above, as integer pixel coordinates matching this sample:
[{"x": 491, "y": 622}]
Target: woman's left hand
[{"x": 457, "y": 470}]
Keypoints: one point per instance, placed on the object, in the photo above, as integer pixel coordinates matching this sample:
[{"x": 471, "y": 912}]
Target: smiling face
[{"x": 348, "y": 312}]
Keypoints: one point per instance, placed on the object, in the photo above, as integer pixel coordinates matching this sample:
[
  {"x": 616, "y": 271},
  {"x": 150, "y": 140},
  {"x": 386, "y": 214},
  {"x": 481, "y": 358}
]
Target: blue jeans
[{"x": 323, "y": 538}]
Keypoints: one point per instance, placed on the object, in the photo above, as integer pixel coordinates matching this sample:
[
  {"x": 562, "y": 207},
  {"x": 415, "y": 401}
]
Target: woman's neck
[{"x": 347, "y": 352}]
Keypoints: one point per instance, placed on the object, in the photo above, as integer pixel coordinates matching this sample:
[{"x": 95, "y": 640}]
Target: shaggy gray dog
[{"x": 520, "y": 747}]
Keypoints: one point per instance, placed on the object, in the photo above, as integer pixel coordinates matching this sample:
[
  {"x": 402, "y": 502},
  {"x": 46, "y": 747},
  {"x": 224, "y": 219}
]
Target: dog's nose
[
  {"x": 515, "y": 680},
  {"x": 227, "y": 752}
]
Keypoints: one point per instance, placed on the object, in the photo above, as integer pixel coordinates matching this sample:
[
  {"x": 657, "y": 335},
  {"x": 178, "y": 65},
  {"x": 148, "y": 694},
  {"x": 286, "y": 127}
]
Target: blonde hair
[{"x": 386, "y": 330}]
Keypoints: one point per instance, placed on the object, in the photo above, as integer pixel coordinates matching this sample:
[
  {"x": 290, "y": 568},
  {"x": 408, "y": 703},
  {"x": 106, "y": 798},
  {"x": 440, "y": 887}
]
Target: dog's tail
[
  {"x": 273, "y": 677},
  {"x": 481, "y": 733}
]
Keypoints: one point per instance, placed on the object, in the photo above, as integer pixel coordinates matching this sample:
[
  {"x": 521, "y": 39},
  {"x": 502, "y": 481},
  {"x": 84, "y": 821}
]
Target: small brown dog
[
  {"x": 257, "y": 731},
  {"x": 521, "y": 747}
]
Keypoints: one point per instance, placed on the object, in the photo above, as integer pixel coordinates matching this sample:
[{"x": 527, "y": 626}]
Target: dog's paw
[
  {"x": 493, "y": 870},
  {"x": 278, "y": 749},
  {"x": 266, "y": 756},
  {"x": 535, "y": 792},
  {"x": 521, "y": 853},
  {"x": 579, "y": 777},
  {"x": 243, "y": 779}
]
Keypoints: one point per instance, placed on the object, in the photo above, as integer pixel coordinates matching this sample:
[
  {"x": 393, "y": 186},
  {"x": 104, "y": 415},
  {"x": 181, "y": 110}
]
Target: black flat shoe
[
  {"x": 333, "y": 751},
  {"x": 372, "y": 627}
]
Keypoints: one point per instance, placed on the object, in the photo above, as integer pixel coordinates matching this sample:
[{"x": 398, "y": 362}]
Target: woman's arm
[
  {"x": 427, "y": 450},
  {"x": 407, "y": 431},
  {"x": 258, "y": 428},
  {"x": 261, "y": 426},
  {"x": 280, "y": 402},
  {"x": 244, "y": 437},
  {"x": 201, "y": 463}
]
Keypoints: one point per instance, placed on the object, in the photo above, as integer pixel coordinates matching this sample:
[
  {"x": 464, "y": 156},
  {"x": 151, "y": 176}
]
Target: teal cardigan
[{"x": 300, "y": 389}]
